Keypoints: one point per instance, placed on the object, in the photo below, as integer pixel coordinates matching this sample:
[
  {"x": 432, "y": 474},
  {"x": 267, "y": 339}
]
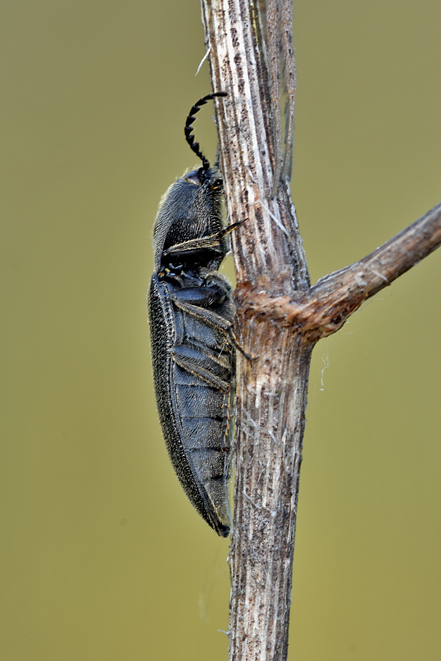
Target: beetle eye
[{"x": 193, "y": 177}]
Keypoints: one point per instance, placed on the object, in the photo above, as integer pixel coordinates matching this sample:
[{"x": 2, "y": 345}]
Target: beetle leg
[
  {"x": 226, "y": 426},
  {"x": 203, "y": 243},
  {"x": 212, "y": 319},
  {"x": 189, "y": 366},
  {"x": 237, "y": 345},
  {"x": 200, "y": 355}
]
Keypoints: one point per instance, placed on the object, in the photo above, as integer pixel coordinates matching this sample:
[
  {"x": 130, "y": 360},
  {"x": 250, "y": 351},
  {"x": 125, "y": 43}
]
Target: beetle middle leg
[{"x": 211, "y": 318}]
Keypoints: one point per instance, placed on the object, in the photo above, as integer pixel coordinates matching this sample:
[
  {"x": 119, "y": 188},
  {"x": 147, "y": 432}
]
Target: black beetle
[{"x": 193, "y": 346}]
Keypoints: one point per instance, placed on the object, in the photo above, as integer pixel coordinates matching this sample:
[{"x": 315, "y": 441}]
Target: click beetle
[{"x": 193, "y": 346}]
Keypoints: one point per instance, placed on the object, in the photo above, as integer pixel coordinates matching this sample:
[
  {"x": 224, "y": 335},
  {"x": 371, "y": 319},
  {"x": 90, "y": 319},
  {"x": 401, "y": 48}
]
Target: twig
[{"x": 324, "y": 308}]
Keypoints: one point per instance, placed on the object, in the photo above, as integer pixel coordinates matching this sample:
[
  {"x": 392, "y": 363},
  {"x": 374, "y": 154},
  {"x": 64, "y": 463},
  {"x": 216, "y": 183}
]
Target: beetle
[{"x": 193, "y": 345}]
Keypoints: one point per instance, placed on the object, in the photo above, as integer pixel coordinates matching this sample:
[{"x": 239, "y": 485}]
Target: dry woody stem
[{"x": 279, "y": 315}]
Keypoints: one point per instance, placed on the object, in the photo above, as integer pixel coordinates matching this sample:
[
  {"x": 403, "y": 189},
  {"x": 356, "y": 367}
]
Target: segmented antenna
[{"x": 188, "y": 129}]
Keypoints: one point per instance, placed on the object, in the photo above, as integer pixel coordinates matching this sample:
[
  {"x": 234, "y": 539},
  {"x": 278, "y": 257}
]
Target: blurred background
[{"x": 101, "y": 556}]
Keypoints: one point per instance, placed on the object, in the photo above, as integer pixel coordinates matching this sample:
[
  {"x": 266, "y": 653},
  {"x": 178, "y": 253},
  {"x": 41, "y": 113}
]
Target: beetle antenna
[{"x": 188, "y": 129}]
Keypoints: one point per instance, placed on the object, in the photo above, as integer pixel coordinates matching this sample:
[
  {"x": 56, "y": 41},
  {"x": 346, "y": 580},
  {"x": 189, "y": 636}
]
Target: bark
[{"x": 279, "y": 316}]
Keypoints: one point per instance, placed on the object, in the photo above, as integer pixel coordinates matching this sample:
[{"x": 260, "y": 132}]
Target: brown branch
[
  {"x": 279, "y": 316},
  {"x": 324, "y": 308}
]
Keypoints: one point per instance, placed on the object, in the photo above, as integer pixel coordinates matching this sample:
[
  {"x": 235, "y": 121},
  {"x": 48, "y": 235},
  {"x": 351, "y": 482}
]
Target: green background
[{"x": 101, "y": 556}]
